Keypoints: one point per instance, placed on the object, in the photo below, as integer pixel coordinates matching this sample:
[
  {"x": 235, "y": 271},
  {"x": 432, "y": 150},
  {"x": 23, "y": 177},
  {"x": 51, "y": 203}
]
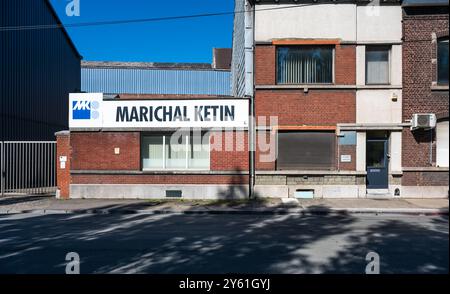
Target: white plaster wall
[
  {"x": 376, "y": 106},
  {"x": 360, "y": 65},
  {"x": 272, "y": 191},
  {"x": 379, "y": 23},
  {"x": 396, "y": 65},
  {"x": 154, "y": 191},
  {"x": 395, "y": 150},
  {"x": 361, "y": 151},
  {"x": 321, "y": 21},
  {"x": 330, "y": 191},
  {"x": 424, "y": 192}
]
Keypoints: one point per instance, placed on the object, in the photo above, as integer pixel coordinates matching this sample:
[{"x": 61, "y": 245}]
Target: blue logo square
[{"x": 81, "y": 109}]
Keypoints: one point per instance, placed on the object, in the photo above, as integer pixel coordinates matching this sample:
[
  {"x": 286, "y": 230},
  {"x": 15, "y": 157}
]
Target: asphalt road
[{"x": 132, "y": 243}]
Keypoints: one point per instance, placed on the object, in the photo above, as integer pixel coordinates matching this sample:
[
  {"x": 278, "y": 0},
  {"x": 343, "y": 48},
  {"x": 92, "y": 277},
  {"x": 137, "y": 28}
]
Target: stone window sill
[{"x": 439, "y": 88}]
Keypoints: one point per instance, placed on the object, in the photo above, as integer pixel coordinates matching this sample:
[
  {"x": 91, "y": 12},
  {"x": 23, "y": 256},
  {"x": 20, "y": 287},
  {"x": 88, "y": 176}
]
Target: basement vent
[
  {"x": 304, "y": 194},
  {"x": 173, "y": 193}
]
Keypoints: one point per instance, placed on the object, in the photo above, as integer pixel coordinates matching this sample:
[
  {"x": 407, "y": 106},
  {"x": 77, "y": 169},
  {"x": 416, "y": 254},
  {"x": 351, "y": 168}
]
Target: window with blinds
[
  {"x": 377, "y": 65},
  {"x": 174, "y": 152},
  {"x": 306, "y": 150},
  {"x": 305, "y": 64}
]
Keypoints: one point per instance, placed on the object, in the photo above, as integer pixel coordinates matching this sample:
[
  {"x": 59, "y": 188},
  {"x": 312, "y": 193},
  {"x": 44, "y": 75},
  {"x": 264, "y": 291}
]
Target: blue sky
[{"x": 188, "y": 40}]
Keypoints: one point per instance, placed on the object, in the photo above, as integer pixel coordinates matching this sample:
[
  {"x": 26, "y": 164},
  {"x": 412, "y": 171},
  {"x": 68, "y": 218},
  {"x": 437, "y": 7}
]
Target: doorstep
[{"x": 378, "y": 194}]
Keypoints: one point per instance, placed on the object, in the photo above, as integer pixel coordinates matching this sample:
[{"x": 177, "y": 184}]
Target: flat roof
[{"x": 146, "y": 65}]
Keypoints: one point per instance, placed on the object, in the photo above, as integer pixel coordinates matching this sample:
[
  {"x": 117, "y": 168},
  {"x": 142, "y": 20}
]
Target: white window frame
[
  {"x": 186, "y": 166},
  {"x": 389, "y": 47},
  {"x": 442, "y": 155}
]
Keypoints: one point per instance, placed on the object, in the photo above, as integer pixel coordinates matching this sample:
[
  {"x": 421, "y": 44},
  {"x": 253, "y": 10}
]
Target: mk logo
[
  {"x": 81, "y": 109},
  {"x": 84, "y": 109}
]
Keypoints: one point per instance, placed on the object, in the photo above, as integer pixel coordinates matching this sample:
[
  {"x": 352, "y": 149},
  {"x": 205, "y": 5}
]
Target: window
[
  {"x": 305, "y": 65},
  {"x": 375, "y": 153},
  {"x": 306, "y": 150},
  {"x": 175, "y": 151},
  {"x": 442, "y": 61},
  {"x": 377, "y": 65},
  {"x": 442, "y": 144}
]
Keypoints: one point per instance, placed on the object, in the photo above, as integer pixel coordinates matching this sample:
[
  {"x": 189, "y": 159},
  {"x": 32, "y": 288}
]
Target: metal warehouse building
[
  {"x": 159, "y": 78},
  {"x": 38, "y": 69}
]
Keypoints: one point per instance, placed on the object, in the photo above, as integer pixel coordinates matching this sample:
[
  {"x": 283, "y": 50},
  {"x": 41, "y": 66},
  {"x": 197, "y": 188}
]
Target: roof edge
[
  {"x": 66, "y": 34},
  {"x": 149, "y": 65}
]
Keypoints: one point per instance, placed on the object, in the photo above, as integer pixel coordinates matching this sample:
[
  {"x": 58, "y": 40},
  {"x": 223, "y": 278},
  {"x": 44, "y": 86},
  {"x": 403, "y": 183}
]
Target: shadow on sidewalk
[{"x": 17, "y": 199}]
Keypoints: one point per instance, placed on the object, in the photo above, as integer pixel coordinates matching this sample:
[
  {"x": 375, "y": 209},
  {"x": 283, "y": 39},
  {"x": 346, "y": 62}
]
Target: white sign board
[
  {"x": 346, "y": 158},
  {"x": 89, "y": 110}
]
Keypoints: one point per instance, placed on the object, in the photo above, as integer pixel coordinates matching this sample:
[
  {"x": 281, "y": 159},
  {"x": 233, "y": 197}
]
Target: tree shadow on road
[{"x": 205, "y": 243}]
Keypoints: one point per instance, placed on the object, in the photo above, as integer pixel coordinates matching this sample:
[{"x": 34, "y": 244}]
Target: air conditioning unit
[{"x": 423, "y": 121}]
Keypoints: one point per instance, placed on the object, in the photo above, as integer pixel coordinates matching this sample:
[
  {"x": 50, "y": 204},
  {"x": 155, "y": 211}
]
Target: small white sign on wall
[
  {"x": 346, "y": 158},
  {"x": 62, "y": 162}
]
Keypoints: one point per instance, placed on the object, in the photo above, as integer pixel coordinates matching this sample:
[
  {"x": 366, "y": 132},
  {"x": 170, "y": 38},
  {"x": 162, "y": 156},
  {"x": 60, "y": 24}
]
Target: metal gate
[{"x": 28, "y": 167}]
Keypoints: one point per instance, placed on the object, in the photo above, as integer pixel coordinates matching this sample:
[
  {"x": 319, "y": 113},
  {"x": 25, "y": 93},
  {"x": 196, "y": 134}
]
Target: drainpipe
[{"x": 249, "y": 31}]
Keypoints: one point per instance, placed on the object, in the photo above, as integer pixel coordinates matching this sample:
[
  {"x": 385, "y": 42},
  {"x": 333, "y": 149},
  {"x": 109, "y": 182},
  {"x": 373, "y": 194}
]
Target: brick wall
[
  {"x": 265, "y": 150},
  {"x": 345, "y": 65},
  {"x": 234, "y": 155},
  {"x": 347, "y": 150},
  {"x": 419, "y": 73},
  {"x": 425, "y": 178},
  {"x": 265, "y": 66},
  {"x": 318, "y": 107},
  {"x": 63, "y": 175},
  {"x": 95, "y": 151},
  {"x": 293, "y": 108},
  {"x": 159, "y": 179}
]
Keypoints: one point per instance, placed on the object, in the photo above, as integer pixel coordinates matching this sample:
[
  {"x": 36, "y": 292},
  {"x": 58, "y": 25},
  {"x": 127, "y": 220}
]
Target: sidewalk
[{"x": 51, "y": 205}]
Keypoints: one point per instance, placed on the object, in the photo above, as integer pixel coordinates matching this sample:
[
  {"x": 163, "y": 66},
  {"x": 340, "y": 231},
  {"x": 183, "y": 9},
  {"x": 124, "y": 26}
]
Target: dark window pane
[
  {"x": 443, "y": 62},
  {"x": 375, "y": 153},
  {"x": 377, "y": 65},
  {"x": 306, "y": 150},
  {"x": 305, "y": 65}
]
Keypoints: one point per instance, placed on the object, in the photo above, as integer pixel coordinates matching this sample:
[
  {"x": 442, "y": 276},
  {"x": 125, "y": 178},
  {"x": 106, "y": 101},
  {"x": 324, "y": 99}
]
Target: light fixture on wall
[{"x": 394, "y": 97}]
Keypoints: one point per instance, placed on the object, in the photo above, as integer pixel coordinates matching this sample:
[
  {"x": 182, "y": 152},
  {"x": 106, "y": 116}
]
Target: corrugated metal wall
[
  {"x": 238, "y": 60},
  {"x": 155, "y": 81},
  {"x": 38, "y": 68}
]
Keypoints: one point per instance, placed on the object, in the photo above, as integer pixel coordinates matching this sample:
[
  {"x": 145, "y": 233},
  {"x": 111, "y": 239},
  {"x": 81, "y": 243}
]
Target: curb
[{"x": 298, "y": 211}]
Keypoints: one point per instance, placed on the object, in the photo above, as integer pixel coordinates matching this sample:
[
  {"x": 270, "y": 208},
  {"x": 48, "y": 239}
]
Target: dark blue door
[{"x": 377, "y": 164}]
